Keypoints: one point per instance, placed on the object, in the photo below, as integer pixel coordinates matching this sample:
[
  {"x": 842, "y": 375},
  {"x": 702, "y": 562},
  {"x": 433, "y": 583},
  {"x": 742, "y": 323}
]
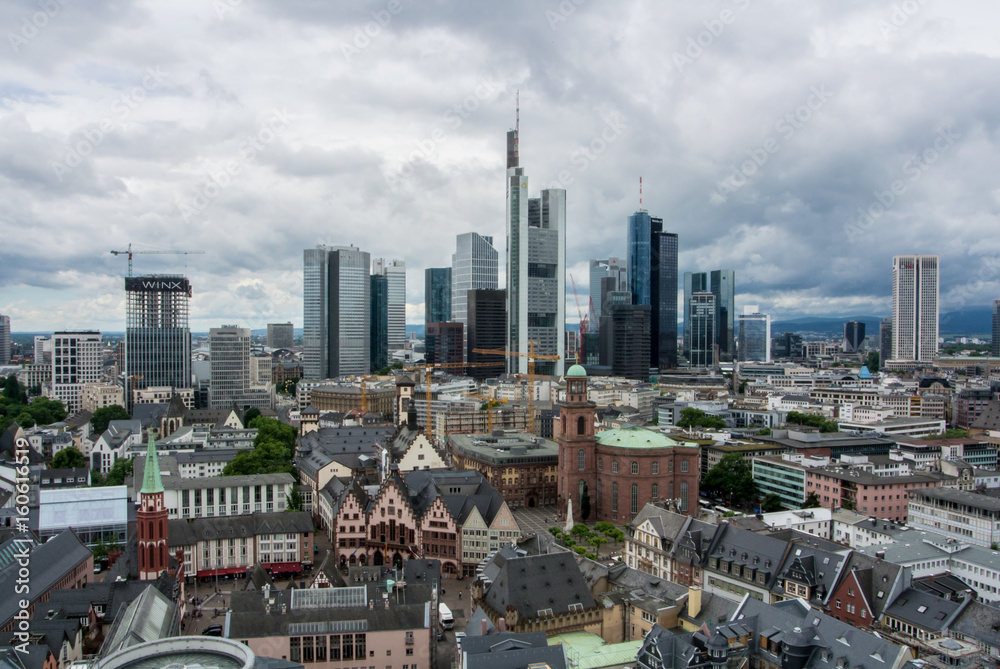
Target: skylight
[{"x": 921, "y": 608}]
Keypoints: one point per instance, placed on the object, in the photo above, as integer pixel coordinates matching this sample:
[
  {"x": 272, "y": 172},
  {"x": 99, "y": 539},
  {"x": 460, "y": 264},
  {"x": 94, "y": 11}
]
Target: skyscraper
[
  {"x": 157, "y": 336},
  {"x": 474, "y": 266},
  {"x": 379, "y": 329},
  {"x": 443, "y": 343},
  {"x": 395, "y": 273},
  {"x": 694, "y": 282},
  {"x": 336, "y": 311},
  {"x": 915, "y": 307},
  {"x": 652, "y": 279},
  {"x": 437, "y": 295},
  {"x": 995, "y": 343},
  {"x": 614, "y": 268},
  {"x": 854, "y": 335},
  {"x": 229, "y": 365},
  {"x": 702, "y": 312},
  {"x": 885, "y": 342},
  {"x": 487, "y": 329},
  {"x": 724, "y": 287},
  {"x": 280, "y": 335},
  {"x": 4, "y": 339},
  {"x": 624, "y": 337},
  {"x": 536, "y": 269},
  {"x": 754, "y": 335},
  {"x": 76, "y": 360}
]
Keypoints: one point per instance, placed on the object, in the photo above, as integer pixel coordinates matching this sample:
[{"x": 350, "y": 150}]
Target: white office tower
[
  {"x": 915, "y": 285},
  {"x": 336, "y": 311},
  {"x": 76, "y": 360},
  {"x": 536, "y": 270},
  {"x": 754, "y": 341},
  {"x": 474, "y": 266},
  {"x": 395, "y": 274},
  {"x": 599, "y": 269},
  {"x": 229, "y": 348}
]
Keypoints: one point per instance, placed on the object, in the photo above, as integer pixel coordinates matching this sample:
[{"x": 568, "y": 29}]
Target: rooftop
[{"x": 639, "y": 438}]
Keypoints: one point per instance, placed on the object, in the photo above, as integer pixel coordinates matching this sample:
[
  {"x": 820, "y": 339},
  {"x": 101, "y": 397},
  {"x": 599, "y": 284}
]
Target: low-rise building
[
  {"x": 94, "y": 396},
  {"x": 522, "y": 467},
  {"x": 847, "y": 486},
  {"x": 957, "y": 514}
]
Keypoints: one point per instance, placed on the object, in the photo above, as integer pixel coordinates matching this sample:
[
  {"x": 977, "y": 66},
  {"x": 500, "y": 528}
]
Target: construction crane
[
  {"x": 532, "y": 357},
  {"x": 129, "y": 252},
  {"x": 584, "y": 319},
  {"x": 428, "y": 370},
  {"x": 490, "y": 403}
]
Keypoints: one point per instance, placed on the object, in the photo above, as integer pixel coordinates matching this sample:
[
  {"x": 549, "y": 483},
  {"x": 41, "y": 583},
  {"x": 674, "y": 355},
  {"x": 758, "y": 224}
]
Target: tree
[
  {"x": 732, "y": 480},
  {"x": 763, "y": 432},
  {"x": 585, "y": 504},
  {"x": 294, "y": 501},
  {"x": 580, "y": 530},
  {"x": 949, "y": 434},
  {"x": 102, "y": 417},
  {"x": 14, "y": 391},
  {"x": 771, "y": 503},
  {"x": 872, "y": 361},
  {"x": 69, "y": 458},
  {"x": 812, "y": 501},
  {"x": 691, "y": 417},
  {"x": 250, "y": 414},
  {"x": 121, "y": 470},
  {"x": 812, "y": 420}
]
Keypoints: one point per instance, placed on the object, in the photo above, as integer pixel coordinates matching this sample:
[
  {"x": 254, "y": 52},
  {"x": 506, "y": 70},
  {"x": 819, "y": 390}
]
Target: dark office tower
[
  {"x": 787, "y": 345},
  {"x": 280, "y": 335},
  {"x": 854, "y": 336},
  {"x": 652, "y": 280},
  {"x": 487, "y": 329},
  {"x": 4, "y": 339},
  {"x": 157, "y": 336},
  {"x": 702, "y": 313},
  {"x": 437, "y": 295},
  {"x": 694, "y": 282},
  {"x": 624, "y": 339},
  {"x": 444, "y": 343},
  {"x": 885, "y": 342},
  {"x": 599, "y": 270},
  {"x": 995, "y": 344},
  {"x": 724, "y": 288},
  {"x": 336, "y": 311},
  {"x": 379, "y": 332}
]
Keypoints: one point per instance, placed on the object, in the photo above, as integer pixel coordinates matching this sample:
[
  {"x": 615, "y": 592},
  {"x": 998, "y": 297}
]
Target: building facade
[
  {"x": 157, "y": 336},
  {"x": 444, "y": 343},
  {"x": 4, "y": 339},
  {"x": 280, "y": 335},
  {"x": 474, "y": 266},
  {"x": 702, "y": 314},
  {"x": 94, "y": 396},
  {"x": 76, "y": 361},
  {"x": 379, "y": 328},
  {"x": 336, "y": 312},
  {"x": 724, "y": 289},
  {"x": 624, "y": 339},
  {"x": 652, "y": 280},
  {"x": 229, "y": 347},
  {"x": 486, "y": 329},
  {"x": 915, "y": 307},
  {"x": 958, "y": 514},
  {"x": 854, "y": 336},
  {"x": 395, "y": 273},
  {"x": 754, "y": 335},
  {"x": 520, "y": 466},
  {"x": 437, "y": 295},
  {"x": 995, "y": 344},
  {"x": 613, "y": 268}
]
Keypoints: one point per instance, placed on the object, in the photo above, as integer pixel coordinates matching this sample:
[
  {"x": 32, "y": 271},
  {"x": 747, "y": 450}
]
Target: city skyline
[{"x": 760, "y": 144}]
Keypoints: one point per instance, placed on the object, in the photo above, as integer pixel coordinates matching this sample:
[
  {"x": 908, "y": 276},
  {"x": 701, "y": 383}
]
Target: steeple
[{"x": 151, "y": 481}]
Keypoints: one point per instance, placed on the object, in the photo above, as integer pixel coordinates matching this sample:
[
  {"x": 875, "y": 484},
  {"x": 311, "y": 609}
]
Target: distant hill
[
  {"x": 825, "y": 325},
  {"x": 967, "y": 321}
]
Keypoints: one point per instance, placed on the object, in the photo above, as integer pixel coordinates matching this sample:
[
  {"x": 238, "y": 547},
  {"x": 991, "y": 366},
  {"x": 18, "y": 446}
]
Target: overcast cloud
[{"x": 252, "y": 130}]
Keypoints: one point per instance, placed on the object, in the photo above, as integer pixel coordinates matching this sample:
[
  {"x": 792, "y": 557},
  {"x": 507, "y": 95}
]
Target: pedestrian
[{"x": 459, "y": 596}]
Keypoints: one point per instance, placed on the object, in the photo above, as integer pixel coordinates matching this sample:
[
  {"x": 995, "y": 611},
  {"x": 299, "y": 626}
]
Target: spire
[{"x": 151, "y": 481}]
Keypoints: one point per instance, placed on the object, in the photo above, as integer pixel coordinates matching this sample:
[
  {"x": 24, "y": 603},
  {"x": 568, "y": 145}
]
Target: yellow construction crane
[
  {"x": 129, "y": 252},
  {"x": 532, "y": 357},
  {"x": 428, "y": 370},
  {"x": 491, "y": 404}
]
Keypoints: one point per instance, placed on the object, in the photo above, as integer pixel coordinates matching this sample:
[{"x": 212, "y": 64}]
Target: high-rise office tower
[
  {"x": 474, "y": 266},
  {"x": 694, "y": 282},
  {"x": 280, "y": 335},
  {"x": 444, "y": 343},
  {"x": 885, "y": 342},
  {"x": 652, "y": 279},
  {"x": 915, "y": 307},
  {"x": 995, "y": 343},
  {"x": 4, "y": 339},
  {"x": 337, "y": 311},
  {"x": 616, "y": 269},
  {"x": 379, "y": 329},
  {"x": 486, "y": 329},
  {"x": 437, "y": 295},
  {"x": 229, "y": 351},
  {"x": 624, "y": 338},
  {"x": 395, "y": 272},
  {"x": 76, "y": 360},
  {"x": 157, "y": 336},
  {"x": 854, "y": 336},
  {"x": 536, "y": 269},
  {"x": 702, "y": 312},
  {"x": 754, "y": 335},
  {"x": 724, "y": 287}
]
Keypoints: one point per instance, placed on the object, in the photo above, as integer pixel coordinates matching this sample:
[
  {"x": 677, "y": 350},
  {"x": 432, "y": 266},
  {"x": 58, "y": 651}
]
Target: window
[
  {"x": 684, "y": 466},
  {"x": 684, "y": 495},
  {"x": 635, "y": 498},
  {"x": 581, "y": 426},
  {"x": 656, "y": 491},
  {"x": 580, "y": 459},
  {"x": 614, "y": 466},
  {"x": 600, "y": 464},
  {"x": 656, "y": 467},
  {"x": 614, "y": 495},
  {"x": 635, "y": 468}
]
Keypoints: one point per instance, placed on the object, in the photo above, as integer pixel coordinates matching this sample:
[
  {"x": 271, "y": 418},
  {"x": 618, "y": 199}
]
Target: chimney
[
  {"x": 502, "y": 624},
  {"x": 694, "y": 601},
  {"x": 483, "y": 627}
]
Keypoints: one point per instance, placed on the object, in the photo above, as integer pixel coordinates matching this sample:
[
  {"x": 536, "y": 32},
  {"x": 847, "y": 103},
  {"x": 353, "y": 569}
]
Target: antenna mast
[{"x": 640, "y": 193}]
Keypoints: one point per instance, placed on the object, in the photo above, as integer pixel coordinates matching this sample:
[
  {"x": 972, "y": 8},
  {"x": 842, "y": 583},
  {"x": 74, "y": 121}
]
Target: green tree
[
  {"x": 121, "y": 470},
  {"x": 14, "y": 391},
  {"x": 691, "y": 417},
  {"x": 294, "y": 501},
  {"x": 771, "y": 503},
  {"x": 764, "y": 432},
  {"x": 812, "y": 501},
  {"x": 580, "y": 530},
  {"x": 812, "y": 420},
  {"x": 250, "y": 414},
  {"x": 732, "y": 480},
  {"x": 585, "y": 504},
  {"x": 872, "y": 361},
  {"x": 102, "y": 417},
  {"x": 949, "y": 434},
  {"x": 604, "y": 527},
  {"x": 69, "y": 458}
]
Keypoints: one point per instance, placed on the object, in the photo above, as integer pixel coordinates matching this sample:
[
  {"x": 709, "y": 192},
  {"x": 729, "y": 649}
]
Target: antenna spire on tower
[
  {"x": 517, "y": 111},
  {"x": 640, "y": 193}
]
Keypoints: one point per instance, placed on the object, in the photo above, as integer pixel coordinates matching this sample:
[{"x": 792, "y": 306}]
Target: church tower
[
  {"x": 574, "y": 432},
  {"x": 151, "y": 519}
]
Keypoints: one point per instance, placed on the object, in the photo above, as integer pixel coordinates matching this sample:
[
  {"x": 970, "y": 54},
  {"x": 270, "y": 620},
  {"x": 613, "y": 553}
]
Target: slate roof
[
  {"x": 344, "y": 445},
  {"x": 423, "y": 571},
  {"x": 989, "y": 419},
  {"x": 980, "y": 622},
  {"x": 760, "y": 552},
  {"x": 666, "y": 524},
  {"x": 876, "y": 577},
  {"x": 8, "y": 446},
  {"x": 509, "y": 650},
  {"x": 189, "y": 532},
  {"x": 149, "y": 415},
  {"x": 533, "y": 582},
  {"x": 922, "y": 609},
  {"x": 695, "y": 539},
  {"x": 49, "y": 563},
  {"x": 817, "y": 568}
]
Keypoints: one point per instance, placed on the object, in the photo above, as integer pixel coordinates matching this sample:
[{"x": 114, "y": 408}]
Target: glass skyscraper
[
  {"x": 437, "y": 295},
  {"x": 474, "y": 266},
  {"x": 614, "y": 268},
  {"x": 702, "y": 312},
  {"x": 724, "y": 287},
  {"x": 652, "y": 280},
  {"x": 379, "y": 333},
  {"x": 336, "y": 311},
  {"x": 754, "y": 335},
  {"x": 157, "y": 336},
  {"x": 395, "y": 273},
  {"x": 694, "y": 282},
  {"x": 915, "y": 307}
]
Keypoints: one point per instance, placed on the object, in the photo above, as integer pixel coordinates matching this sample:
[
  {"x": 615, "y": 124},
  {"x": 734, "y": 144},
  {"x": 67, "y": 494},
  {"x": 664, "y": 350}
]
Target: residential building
[
  {"x": 112, "y": 444},
  {"x": 94, "y": 396},
  {"x": 474, "y": 266},
  {"x": 444, "y": 343},
  {"x": 280, "y": 335},
  {"x": 957, "y": 514},
  {"x": 650, "y": 540},
  {"x": 162, "y": 395},
  {"x": 486, "y": 329},
  {"x": 754, "y": 335},
  {"x": 395, "y": 273},
  {"x": 379, "y": 328},
  {"x": 157, "y": 336},
  {"x": 4, "y": 339},
  {"x": 336, "y": 312},
  {"x": 885, "y": 342},
  {"x": 76, "y": 361},
  {"x": 652, "y": 277},
  {"x": 915, "y": 284},
  {"x": 536, "y": 270},
  {"x": 437, "y": 295},
  {"x": 702, "y": 314},
  {"x": 854, "y": 336},
  {"x": 336, "y": 452},
  {"x": 522, "y": 467},
  {"x": 616, "y": 270}
]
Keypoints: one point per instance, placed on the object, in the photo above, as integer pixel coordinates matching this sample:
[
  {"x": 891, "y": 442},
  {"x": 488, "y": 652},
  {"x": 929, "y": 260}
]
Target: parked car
[{"x": 212, "y": 630}]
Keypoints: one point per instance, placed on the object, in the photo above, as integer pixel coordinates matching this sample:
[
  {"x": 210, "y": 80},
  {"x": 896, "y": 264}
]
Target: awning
[
  {"x": 208, "y": 573},
  {"x": 283, "y": 567}
]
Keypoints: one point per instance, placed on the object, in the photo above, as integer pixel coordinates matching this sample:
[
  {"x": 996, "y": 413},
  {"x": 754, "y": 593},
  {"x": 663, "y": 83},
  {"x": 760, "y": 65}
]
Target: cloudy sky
[{"x": 251, "y": 130}]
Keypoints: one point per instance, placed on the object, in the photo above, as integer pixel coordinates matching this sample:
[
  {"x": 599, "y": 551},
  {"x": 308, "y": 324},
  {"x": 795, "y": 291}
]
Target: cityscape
[{"x": 717, "y": 387}]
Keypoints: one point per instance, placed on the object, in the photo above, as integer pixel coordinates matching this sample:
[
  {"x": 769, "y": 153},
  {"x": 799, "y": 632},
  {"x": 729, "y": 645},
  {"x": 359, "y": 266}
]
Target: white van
[{"x": 445, "y": 617}]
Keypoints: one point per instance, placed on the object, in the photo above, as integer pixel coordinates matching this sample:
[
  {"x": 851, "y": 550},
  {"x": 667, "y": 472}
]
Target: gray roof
[
  {"x": 202, "y": 482},
  {"x": 149, "y": 415},
  {"x": 508, "y": 650},
  {"x": 957, "y": 496},
  {"x": 922, "y": 609},
  {"x": 534, "y": 582},
  {"x": 189, "y": 532},
  {"x": 980, "y": 622},
  {"x": 760, "y": 552},
  {"x": 49, "y": 563},
  {"x": 666, "y": 524},
  {"x": 344, "y": 445},
  {"x": 815, "y": 567},
  {"x": 149, "y": 617}
]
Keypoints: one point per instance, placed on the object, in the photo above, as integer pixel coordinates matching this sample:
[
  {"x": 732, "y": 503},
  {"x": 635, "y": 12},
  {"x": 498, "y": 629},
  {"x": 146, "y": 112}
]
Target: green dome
[{"x": 576, "y": 370}]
